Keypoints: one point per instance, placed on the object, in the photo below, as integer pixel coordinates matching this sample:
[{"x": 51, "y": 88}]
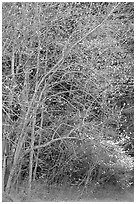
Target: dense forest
[{"x": 67, "y": 93}]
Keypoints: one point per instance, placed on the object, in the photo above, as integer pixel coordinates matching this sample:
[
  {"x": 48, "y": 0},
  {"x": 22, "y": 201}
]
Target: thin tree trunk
[
  {"x": 37, "y": 72},
  {"x": 31, "y": 155},
  {"x": 35, "y": 169},
  {"x": 3, "y": 165},
  {"x": 36, "y": 164}
]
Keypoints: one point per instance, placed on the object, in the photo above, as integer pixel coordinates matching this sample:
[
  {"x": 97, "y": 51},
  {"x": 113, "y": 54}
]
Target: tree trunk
[{"x": 31, "y": 155}]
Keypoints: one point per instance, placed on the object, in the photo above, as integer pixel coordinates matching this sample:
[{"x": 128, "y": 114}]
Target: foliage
[{"x": 68, "y": 94}]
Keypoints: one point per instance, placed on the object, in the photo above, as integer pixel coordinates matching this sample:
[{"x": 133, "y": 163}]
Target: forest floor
[{"x": 42, "y": 193}]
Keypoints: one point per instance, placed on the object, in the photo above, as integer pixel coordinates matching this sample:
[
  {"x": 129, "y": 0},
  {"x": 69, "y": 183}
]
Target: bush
[{"x": 68, "y": 92}]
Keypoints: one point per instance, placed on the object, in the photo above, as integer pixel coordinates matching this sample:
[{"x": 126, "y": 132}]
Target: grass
[{"x": 66, "y": 193}]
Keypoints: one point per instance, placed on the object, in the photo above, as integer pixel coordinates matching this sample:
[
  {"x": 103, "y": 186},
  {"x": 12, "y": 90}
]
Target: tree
[{"x": 67, "y": 68}]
